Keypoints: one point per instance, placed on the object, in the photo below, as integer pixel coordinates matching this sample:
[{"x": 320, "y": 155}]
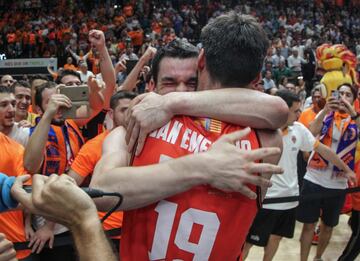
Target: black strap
[
  {"x": 113, "y": 232},
  {"x": 312, "y": 196},
  {"x": 65, "y": 239}
]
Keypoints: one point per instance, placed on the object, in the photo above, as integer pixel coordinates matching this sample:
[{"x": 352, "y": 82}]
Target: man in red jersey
[{"x": 204, "y": 222}]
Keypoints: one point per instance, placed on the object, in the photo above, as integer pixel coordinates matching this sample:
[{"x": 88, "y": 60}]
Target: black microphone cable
[
  {"x": 96, "y": 193},
  {"x": 118, "y": 204}
]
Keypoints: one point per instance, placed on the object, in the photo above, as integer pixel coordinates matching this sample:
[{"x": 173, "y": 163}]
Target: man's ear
[
  {"x": 201, "y": 60},
  {"x": 256, "y": 80},
  {"x": 111, "y": 113},
  {"x": 151, "y": 85}
]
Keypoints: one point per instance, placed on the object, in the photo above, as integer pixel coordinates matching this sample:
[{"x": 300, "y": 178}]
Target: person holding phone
[{"x": 338, "y": 128}]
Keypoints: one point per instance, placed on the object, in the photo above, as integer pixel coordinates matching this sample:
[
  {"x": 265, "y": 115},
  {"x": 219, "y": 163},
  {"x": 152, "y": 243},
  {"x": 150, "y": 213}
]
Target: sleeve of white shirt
[
  {"x": 308, "y": 140},
  {"x": 273, "y": 85},
  {"x": 26, "y": 136}
]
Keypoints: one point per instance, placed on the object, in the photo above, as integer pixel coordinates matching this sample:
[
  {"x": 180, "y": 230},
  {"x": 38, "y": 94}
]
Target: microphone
[{"x": 8, "y": 202}]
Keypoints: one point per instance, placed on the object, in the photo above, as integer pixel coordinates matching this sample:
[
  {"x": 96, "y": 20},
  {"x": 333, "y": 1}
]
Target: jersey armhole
[{"x": 258, "y": 188}]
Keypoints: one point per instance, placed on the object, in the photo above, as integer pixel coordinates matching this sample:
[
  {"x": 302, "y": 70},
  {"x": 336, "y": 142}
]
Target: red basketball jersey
[{"x": 202, "y": 223}]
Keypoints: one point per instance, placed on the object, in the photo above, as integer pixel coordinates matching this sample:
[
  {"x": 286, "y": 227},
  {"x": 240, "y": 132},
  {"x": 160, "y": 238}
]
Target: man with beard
[
  {"x": 22, "y": 92},
  {"x": 7, "y": 80},
  {"x": 11, "y": 155},
  {"x": 7, "y": 125},
  {"x": 53, "y": 145}
]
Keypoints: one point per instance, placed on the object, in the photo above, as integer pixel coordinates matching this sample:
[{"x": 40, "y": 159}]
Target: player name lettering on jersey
[{"x": 190, "y": 140}]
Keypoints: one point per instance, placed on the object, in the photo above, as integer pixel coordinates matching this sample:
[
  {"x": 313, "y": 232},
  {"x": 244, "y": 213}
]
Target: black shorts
[
  {"x": 309, "y": 211},
  {"x": 269, "y": 221}
]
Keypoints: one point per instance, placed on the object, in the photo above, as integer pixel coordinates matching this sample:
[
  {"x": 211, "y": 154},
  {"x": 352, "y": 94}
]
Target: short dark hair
[
  {"x": 40, "y": 90},
  {"x": 175, "y": 49},
  {"x": 288, "y": 96},
  {"x": 65, "y": 73},
  {"x": 5, "y": 89},
  {"x": 282, "y": 79},
  {"x": 121, "y": 95},
  {"x": 21, "y": 83},
  {"x": 235, "y": 48}
]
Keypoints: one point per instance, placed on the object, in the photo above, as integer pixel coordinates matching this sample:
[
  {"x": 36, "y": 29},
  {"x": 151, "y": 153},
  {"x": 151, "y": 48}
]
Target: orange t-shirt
[
  {"x": 121, "y": 46},
  {"x": 307, "y": 116},
  {"x": 11, "y": 222},
  {"x": 84, "y": 164},
  {"x": 32, "y": 38},
  {"x": 203, "y": 223},
  {"x": 136, "y": 37},
  {"x": 70, "y": 67}
]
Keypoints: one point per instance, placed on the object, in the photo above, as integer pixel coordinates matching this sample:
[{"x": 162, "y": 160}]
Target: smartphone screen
[
  {"x": 130, "y": 64},
  {"x": 335, "y": 94}
]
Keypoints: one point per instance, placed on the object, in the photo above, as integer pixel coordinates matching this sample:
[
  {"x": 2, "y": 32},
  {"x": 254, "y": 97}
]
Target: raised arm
[
  {"x": 130, "y": 81},
  {"x": 97, "y": 39},
  {"x": 236, "y": 105},
  {"x": 239, "y": 106},
  {"x": 99, "y": 95},
  {"x": 86, "y": 56},
  {"x": 52, "y": 72},
  {"x": 224, "y": 166},
  {"x": 316, "y": 125},
  {"x": 73, "y": 54},
  {"x": 34, "y": 151}
]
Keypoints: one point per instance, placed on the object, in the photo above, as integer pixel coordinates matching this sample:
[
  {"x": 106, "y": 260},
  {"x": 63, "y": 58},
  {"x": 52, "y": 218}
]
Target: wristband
[
  {"x": 6, "y": 201},
  {"x": 2, "y": 204},
  {"x": 6, "y": 193}
]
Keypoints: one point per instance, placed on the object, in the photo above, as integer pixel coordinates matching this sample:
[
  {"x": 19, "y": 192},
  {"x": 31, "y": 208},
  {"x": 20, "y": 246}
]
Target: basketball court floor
[{"x": 289, "y": 249}]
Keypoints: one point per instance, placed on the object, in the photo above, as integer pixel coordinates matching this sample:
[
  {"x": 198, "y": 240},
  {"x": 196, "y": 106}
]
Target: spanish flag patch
[{"x": 211, "y": 125}]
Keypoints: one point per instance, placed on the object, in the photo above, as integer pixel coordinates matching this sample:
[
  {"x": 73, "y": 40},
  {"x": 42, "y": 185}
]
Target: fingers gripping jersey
[{"x": 203, "y": 223}]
